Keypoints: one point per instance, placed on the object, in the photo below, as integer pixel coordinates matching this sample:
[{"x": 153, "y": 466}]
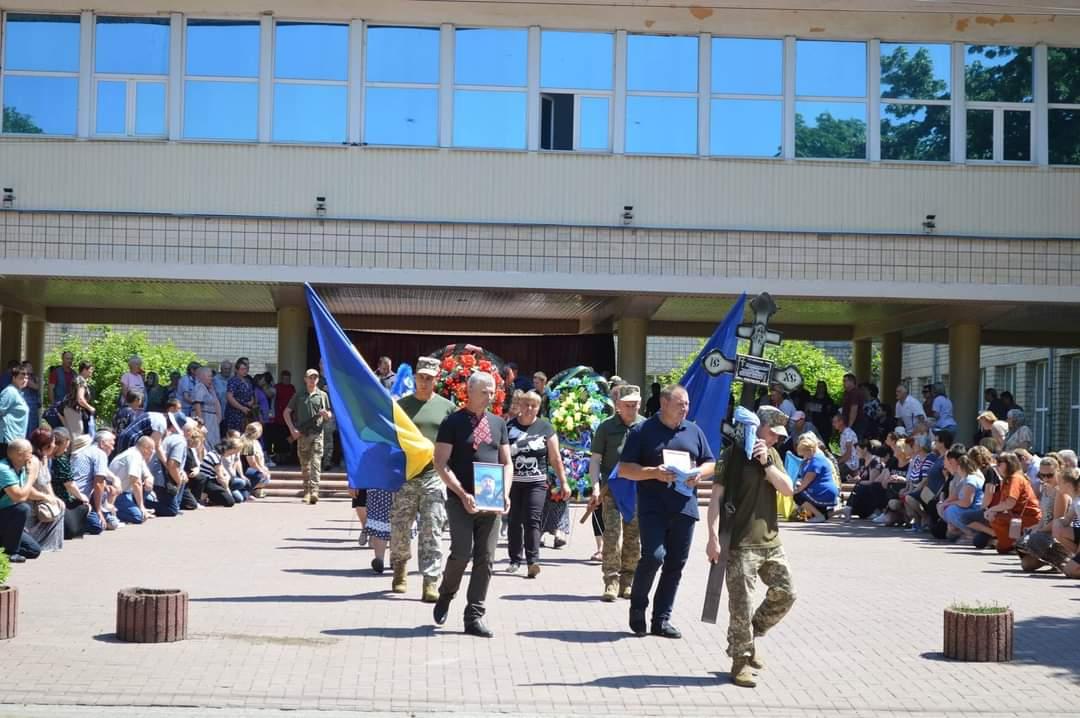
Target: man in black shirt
[{"x": 469, "y": 435}]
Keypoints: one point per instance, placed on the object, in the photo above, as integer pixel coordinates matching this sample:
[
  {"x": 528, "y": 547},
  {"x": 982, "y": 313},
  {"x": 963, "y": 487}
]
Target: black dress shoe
[
  {"x": 665, "y": 630},
  {"x": 478, "y": 629},
  {"x": 441, "y": 610},
  {"x": 637, "y": 621},
  {"x": 377, "y": 565}
]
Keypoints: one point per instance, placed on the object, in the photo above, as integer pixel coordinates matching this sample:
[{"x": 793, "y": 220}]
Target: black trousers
[
  {"x": 13, "y": 536},
  {"x": 218, "y": 495},
  {"x": 472, "y": 537},
  {"x": 75, "y": 521},
  {"x": 526, "y": 508}
]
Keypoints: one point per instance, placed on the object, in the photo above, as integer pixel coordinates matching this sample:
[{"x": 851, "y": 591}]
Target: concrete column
[
  {"x": 292, "y": 336},
  {"x": 892, "y": 355},
  {"x": 632, "y": 333},
  {"x": 965, "y": 339},
  {"x": 860, "y": 359},
  {"x": 11, "y": 334},
  {"x": 35, "y": 345}
]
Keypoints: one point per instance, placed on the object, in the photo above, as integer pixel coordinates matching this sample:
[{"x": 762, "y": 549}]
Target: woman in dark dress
[{"x": 820, "y": 408}]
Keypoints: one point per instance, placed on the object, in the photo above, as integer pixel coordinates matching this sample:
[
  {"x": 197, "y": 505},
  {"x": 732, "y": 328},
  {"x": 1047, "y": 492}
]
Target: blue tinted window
[
  {"x": 490, "y": 57},
  {"x": 311, "y": 51},
  {"x": 489, "y": 119},
  {"x": 222, "y": 48},
  {"x": 747, "y": 67},
  {"x": 662, "y": 63},
  {"x": 111, "y": 108},
  {"x": 830, "y": 130},
  {"x": 577, "y": 60},
  {"x": 35, "y": 105},
  {"x": 594, "y": 123},
  {"x": 746, "y": 128},
  {"x": 917, "y": 72},
  {"x": 830, "y": 69},
  {"x": 309, "y": 113},
  {"x": 661, "y": 125},
  {"x": 998, "y": 73},
  {"x": 150, "y": 108},
  {"x": 221, "y": 110},
  {"x": 403, "y": 54},
  {"x": 132, "y": 46},
  {"x": 396, "y": 116},
  {"x": 47, "y": 43}
]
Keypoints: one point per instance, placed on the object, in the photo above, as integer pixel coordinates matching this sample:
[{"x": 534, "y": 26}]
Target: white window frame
[
  {"x": 1040, "y": 374},
  {"x": 454, "y": 87},
  {"x": 760, "y": 97},
  {"x": 871, "y": 108},
  {"x": 694, "y": 95},
  {"x": 131, "y": 81},
  {"x": 1074, "y": 106},
  {"x": 77, "y": 76},
  {"x": 264, "y": 104},
  {"x": 274, "y": 81},
  {"x": 579, "y": 94},
  {"x": 365, "y": 83},
  {"x": 999, "y": 109},
  {"x": 1074, "y": 401},
  {"x": 1006, "y": 380},
  {"x": 882, "y": 100}
]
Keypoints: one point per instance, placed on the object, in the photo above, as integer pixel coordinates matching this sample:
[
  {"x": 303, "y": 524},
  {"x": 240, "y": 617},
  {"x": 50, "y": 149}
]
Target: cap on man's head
[
  {"x": 774, "y": 418},
  {"x": 615, "y": 379},
  {"x": 311, "y": 372},
  {"x": 627, "y": 392},
  {"x": 428, "y": 366},
  {"x": 80, "y": 442}
]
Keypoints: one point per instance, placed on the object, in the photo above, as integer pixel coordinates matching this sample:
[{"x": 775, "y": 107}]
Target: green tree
[
  {"x": 1064, "y": 125},
  {"x": 830, "y": 137},
  {"x": 108, "y": 351},
  {"x": 19, "y": 122},
  {"x": 913, "y": 132}
]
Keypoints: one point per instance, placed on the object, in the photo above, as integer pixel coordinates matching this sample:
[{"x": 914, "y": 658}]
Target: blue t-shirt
[
  {"x": 822, "y": 490},
  {"x": 14, "y": 414},
  {"x": 174, "y": 446},
  {"x": 645, "y": 445},
  {"x": 977, "y": 482},
  {"x": 9, "y": 477},
  {"x": 936, "y": 475}
]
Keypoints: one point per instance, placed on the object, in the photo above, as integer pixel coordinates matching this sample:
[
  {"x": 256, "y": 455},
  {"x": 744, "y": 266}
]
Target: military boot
[
  {"x": 755, "y": 660},
  {"x": 611, "y": 590},
  {"x": 741, "y": 675},
  {"x": 431, "y": 590},
  {"x": 626, "y": 584},
  {"x": 401, "y": 578}
]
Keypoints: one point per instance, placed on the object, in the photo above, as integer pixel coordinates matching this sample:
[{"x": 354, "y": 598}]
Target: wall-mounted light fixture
[
  {"x": 628, "y": 214},
  {"x": 320, "y": 206},
  {"x": 930, "y": 224},
  {"x": 9, "y": 198}
]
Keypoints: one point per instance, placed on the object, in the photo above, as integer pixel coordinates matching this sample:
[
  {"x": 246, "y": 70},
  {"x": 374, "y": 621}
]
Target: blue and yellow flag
[{"x": 381, "y": 445}]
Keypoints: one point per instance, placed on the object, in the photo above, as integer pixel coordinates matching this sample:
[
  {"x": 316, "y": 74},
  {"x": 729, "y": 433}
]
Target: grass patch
[{"x": 979, "y": 608}]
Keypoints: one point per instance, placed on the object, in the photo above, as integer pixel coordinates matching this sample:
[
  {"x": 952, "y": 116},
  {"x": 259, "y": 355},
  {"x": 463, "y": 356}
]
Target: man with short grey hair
[
  {"x": 16, "y": 493},
  {"x": 90, "y": 471}
]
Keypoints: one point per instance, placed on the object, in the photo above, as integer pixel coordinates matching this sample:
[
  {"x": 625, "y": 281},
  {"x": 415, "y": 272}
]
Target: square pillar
[
  {"x": 292, "y": 340},
  {"x": 860, "y": 359},
  {"x": 11, "y": 336},
  {"x": 632, "y": 333},
  {"x": 965, "y": 342},
  {"x": 892, "y": 355}
]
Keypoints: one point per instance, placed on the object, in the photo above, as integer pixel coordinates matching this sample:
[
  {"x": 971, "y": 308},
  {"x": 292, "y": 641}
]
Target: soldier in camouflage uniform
[
  {"x": 619, "y": 559},
  {"x": 424, "y": 495},
  {"x": 755, "y": 550}
]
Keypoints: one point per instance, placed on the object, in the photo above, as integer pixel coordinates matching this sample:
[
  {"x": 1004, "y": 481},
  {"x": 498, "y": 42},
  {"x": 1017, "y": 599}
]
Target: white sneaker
[
  {"x": 845, "y": 513},
  {"x": 879, "y": 519}
]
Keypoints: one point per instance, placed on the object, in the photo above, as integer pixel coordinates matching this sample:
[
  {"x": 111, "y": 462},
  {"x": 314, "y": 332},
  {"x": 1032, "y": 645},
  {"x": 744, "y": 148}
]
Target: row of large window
[{"x": 828, "y": 100}]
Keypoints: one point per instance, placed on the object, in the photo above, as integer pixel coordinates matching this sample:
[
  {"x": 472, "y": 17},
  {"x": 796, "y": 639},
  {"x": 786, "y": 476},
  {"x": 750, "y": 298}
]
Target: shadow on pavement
[
  {"x": 555, "y": 597},
  {"x": 1049, "y": 641},
  {"x": 319, "y": 539},
  {"x": 645, "y": 681},
  {"x": 343, "y": 572},
  {"x": 350, "y": 547},
  {"x": 579, "y": 636},
  {"x": 383, "y": 632},
  {"x": 107, "y": 638},
  {"x": 326, "y": 598}
]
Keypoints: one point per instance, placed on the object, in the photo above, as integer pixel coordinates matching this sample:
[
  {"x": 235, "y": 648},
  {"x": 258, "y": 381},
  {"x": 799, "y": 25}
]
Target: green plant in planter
[
  {"x": 979, "y": 608},
  {"x": 5, "y": 568}
]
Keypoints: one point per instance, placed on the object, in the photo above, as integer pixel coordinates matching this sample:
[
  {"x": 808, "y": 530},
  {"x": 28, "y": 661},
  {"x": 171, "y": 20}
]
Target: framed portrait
[{"x": 489, "y": 485}]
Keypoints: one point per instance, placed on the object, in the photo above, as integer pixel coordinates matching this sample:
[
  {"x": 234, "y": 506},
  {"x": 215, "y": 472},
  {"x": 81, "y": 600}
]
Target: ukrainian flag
[{"x": 381, "y": 445}]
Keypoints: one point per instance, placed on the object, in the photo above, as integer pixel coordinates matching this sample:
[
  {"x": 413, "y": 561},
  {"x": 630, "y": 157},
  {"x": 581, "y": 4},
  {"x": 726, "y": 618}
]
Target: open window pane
[
  {"x": 150, "y": 108},
  {"x": 311, "y": 51},
  {"x": 662, "y": 64},
  {"x": 556, "y": 121},
  {"x": 661, "y": 125},
  {"x": 915, "y": 72},
  {"x": 309, "y": 113},
  {"x": 915, "y": 132},
  {"x": 490, "y": 57},
  {"x": 830, "y": 69},
  {"x": 746, "y": 128},
  {"x": 397, "y": 116},
  {"x": 742, "y": 66},
  {"x": 221, "y": 110},
  {"x": 1063, "y": 67},
  {"x": 132, "y": 46},
  {"x": 403, "y": 54},
  {"x": 980, "y": 134},
  {"x": 40, "y": 105},
  {"x": 47, "y": 43},
  {"x": 493, "y": 120},
  {"x": 222, "y": 48},
  {"x": 998, "y": 73},
  {"x": 111, "y": 108},
  {"x": 1017, "y": 136},
  {"x": 830, "y": 130},
  {"x": 1064, "y": 137},
  {"x": 577, "y": 60},
  {"x": 593, "y": 133}
]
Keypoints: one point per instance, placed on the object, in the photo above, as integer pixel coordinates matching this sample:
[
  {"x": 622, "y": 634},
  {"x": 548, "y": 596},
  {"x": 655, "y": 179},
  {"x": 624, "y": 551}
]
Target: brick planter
[
  {"x": 9, "y": 612},
  {"x": 151, "y": 615},
  {"x": 984, "y": 637}
]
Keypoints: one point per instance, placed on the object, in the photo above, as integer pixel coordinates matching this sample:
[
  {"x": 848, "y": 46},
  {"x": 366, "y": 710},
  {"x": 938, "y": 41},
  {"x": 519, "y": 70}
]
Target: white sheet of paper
[{"x": 678, "y": 460}]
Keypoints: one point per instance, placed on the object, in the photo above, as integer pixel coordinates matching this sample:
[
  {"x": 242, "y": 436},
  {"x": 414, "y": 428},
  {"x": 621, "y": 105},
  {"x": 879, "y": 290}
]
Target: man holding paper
[{"x": 667, "y": 455}]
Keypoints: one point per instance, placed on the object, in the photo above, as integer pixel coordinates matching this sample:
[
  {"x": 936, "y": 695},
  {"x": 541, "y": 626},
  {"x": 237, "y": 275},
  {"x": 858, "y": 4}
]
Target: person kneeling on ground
[
  {"x": 816, "y": 492},
  {"x": 965, "y": 505},
  {"x": 16, "y": 493},
  {"x": 1014, "y": 499},
  {"x": 135, "y": 480}
]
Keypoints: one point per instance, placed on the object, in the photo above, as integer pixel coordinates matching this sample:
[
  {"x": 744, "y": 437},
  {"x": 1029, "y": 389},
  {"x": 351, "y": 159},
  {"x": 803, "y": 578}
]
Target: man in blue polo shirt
[{"x": 657, "y": 454}]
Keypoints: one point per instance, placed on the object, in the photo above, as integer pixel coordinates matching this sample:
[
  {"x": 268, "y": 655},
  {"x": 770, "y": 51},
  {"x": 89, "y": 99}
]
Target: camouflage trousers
[
  {"x": 620, "y": 559},
  {"x": 310, "y": 451},
  {"x": 744, "y": 566},
  {"x": 424, "y": 497}
]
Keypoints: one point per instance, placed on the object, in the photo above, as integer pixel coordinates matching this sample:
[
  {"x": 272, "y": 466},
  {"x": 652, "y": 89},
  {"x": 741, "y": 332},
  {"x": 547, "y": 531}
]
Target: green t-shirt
[
  {"x": 9, "y": 477},
  {"x": 428, "y": 416},
  {"x": 305, "y": 410},
  {"x": 754, "y": 524},
  {"x": 608, "y": 442}
]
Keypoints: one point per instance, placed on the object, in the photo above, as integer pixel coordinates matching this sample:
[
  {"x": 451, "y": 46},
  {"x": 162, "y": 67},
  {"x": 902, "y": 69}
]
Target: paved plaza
[{"x": 287, "y": 616}]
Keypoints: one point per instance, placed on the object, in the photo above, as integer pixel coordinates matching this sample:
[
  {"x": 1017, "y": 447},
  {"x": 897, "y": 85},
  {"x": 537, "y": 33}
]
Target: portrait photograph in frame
[{"x": 489, "y": 487}]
